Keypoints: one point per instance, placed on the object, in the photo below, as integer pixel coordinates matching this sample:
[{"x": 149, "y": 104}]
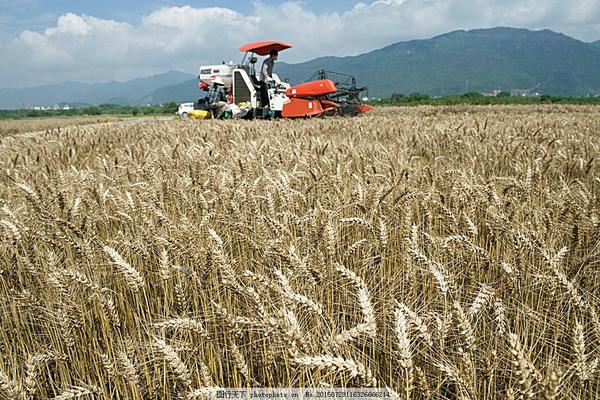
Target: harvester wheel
[{"x": 185, "y": 115}]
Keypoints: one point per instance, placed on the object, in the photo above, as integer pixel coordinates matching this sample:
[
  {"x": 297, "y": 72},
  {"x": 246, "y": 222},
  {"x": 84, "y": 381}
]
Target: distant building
[
  {"x": 527, "y": 92},
  {"x": 493, "y": 93},
  {"x": 53, "y": 107}
]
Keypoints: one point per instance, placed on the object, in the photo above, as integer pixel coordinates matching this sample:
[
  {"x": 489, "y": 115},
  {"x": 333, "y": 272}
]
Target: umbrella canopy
[{"x": 264, "y": 48}]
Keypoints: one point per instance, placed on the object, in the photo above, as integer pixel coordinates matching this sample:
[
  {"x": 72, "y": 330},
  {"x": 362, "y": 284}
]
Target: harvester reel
[{"x": 348, "y": 93}]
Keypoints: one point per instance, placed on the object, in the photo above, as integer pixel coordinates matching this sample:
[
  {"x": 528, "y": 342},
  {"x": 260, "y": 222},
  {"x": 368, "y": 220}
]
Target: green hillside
[{"x": 497, "y": 58}]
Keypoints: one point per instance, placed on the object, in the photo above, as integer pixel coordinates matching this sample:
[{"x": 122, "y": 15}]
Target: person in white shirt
[
  {"x": 266, "y": 77},
  {"x": 266, "y": 71}
]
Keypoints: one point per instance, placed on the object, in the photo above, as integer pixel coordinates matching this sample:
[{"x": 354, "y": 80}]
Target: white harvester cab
[{"x": 207, "y": 73}]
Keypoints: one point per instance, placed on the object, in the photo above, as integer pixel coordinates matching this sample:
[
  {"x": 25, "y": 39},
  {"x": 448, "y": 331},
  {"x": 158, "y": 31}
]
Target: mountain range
[
  {"x": 133, "y": 92},
  {"x": 476, "y": 60}
]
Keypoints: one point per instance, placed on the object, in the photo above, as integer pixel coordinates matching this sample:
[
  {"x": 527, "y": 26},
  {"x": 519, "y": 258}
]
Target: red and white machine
[{"x": 310, "y": 99}]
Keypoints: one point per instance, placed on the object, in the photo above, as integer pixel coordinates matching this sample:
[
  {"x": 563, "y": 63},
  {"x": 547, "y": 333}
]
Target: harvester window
[
  {"x": 204, "y": 71},
  {"x": 215, "y": 71}
]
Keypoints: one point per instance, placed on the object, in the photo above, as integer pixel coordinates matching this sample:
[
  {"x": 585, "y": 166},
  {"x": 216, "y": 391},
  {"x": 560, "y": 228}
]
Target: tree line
[{"x": 476, "y": 98}]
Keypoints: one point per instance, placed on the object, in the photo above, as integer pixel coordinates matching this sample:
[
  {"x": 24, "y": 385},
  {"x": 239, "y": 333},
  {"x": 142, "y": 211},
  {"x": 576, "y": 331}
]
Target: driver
[
  {"x": 266, "y": 71},
  {"x": 266, "y": 77}
]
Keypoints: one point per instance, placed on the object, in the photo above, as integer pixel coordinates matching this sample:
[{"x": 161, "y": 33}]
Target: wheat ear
[
  {"x": 439, "y": 273},
  {"x": 240, "y": 363},
  {"x": 76, "y": 392},
  {"x": 11, "y": 388},
  {"x": 129, "y": 369},
  {"x": 187, "y": 324},
  {"x": 369, "y": 326},
  {"x": 523, "y": 368},
  {"x": 134, "y": 279},
  {"x": 465, "y": 327},
  {"x": 552, "y": 383},
  {"x": 417, "y": 322},
  {"x": 405, "y": 351},
  {"x": 12, "y": 228},
  {"x": 296, "y": 297},
  {"x": 175, "y": 363},
  {"x": 205, "y": 393},
  {"x": 584, "y": 369},
  {"x": 338, "y": 364},
  {"x": 483, "y": 297},
  {"x": 31, "y": 375},
  {"x": 108, "y": 365}
]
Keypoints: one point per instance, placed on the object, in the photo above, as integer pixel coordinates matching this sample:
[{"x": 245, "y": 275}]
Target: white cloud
[
  {"x": 70, "y": 24},
  {"x": 83, "y": 47}
]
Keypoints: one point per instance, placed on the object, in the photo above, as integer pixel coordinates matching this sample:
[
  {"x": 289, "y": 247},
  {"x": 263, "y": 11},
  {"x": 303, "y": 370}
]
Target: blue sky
[
  {"x": 39, "y": 14},
  {"x": 43, "y": 41}
]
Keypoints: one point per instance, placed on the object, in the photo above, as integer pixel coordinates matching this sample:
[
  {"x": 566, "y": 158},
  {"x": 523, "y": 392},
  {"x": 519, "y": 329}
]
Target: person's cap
[{"x": 219, "y": 81}]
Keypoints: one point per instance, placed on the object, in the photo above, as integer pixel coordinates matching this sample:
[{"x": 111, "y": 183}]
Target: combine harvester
[{"x": 330, "y": 93}]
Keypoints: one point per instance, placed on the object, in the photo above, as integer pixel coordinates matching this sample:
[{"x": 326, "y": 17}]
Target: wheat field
[
  {"x": 12, "y": 127},
  {"x": 434, "y": 252}
]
